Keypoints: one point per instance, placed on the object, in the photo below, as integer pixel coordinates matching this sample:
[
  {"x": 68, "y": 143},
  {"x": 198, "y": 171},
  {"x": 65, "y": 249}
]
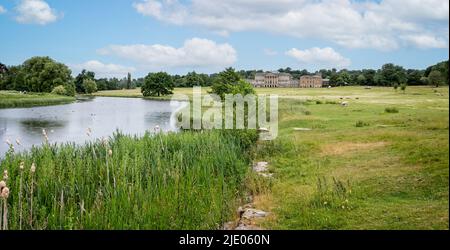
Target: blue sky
[{"x": 114, "y": 37}]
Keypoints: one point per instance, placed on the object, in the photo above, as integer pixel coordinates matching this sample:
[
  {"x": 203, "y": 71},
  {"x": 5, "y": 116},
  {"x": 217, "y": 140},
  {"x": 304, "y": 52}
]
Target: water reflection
[{"x": 68, "y": 123}]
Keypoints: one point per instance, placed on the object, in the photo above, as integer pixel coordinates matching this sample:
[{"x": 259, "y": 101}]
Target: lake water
[{"x": 70, "y": 123}]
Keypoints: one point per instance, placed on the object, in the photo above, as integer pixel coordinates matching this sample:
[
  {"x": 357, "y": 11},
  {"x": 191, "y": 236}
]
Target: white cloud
[
  {"x": 384, "y": 25},
  {"x": 320, "y": 57},
  {"x": 425, "y": 41},
  {"x": 195, "y": 52},
  {"x": 104, "y": 70},
  {"x": 2, "y": 9},
  {"x": 270, "y": 52},
  {"x": 35, "y": 12}
]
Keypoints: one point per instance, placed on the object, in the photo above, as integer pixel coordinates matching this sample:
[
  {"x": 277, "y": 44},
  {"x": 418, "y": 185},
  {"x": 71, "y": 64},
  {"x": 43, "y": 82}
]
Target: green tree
[
  {"x": 157, "y": 84},
  {"x": 129, "y": 81},
  {"x": 435, "y": 78},
  {"x": 414, "y": 76},
  {"x": 79, "y": 80},
  {"x": 392, "y": 75},
  {"x": 361, "y": 79},
  {"x": 42, "y": 74},
  {"x": 229, "y": 82},
  {"x": 89, "y": 86},
  {"x": 193, "y": 79}
]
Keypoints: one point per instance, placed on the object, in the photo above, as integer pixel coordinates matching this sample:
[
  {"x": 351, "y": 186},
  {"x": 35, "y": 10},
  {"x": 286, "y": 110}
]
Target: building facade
[
  {"x": 274, "y": 80},
  {"x": 314, "y": 81},
  {"x": 285, "y": 80}
]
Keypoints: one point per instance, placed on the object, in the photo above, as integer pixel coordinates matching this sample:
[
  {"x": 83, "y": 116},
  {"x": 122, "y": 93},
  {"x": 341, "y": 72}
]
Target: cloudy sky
[{"x": 139, "y": 36}]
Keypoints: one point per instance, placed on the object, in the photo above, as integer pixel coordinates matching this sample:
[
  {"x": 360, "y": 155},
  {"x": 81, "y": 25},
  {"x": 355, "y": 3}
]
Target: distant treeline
[{"x": 43, "y": 74}]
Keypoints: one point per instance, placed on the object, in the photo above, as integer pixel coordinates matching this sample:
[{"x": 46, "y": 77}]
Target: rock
[
  {"x": 229, "y": 226},
  {"x": 261, "y": 167},
  {"x": 253, "y": 213}
]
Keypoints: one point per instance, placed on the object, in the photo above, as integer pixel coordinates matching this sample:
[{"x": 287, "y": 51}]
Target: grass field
[
  {"x": 379, "y": 163},
  {"x": 360, "y": 167},
  {"x": 14, "y": 99}
]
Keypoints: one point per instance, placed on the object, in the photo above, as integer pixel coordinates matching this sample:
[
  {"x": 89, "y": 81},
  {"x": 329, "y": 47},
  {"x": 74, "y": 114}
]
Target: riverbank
[
  {"x": 165, "y": 181},
  {"x": 14, "y": 99},
  {"x": 136, "y": 93}
]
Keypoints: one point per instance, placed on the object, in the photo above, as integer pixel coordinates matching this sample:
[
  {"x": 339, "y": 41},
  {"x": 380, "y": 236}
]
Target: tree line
[{"x": 43, "y": 74}]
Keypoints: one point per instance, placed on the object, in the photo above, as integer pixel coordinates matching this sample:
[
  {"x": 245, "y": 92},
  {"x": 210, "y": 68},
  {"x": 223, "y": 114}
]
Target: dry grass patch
[{"x": 343, "y": 148}]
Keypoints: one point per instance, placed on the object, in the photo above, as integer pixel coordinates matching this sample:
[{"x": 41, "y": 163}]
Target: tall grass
[{"x": 175, "y": 181}]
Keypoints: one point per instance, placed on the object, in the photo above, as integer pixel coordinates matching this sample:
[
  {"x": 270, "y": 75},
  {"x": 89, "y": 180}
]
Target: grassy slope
[
  {"x": 391, "y": 174},
  {"x": 13, "y": 99}
]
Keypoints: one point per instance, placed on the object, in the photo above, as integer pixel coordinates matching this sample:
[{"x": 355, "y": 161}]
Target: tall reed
[{"x": 188, "y": 180}]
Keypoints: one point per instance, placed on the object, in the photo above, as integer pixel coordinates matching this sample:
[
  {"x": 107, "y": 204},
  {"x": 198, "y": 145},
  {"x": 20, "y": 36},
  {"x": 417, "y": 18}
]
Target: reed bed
[{"x": 159, "y": 181}]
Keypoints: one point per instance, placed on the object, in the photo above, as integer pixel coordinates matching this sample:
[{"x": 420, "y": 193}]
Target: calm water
[{"x": 69, "y": 123}]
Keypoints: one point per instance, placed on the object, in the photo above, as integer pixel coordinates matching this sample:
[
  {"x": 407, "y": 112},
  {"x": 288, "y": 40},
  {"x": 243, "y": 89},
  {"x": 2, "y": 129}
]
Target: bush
[
  {"x": 360, "y": 124},
  {"x": 391, "y": 110},
  {"x": 89, "y": 86},
  {"x": 59, "y": 90}
]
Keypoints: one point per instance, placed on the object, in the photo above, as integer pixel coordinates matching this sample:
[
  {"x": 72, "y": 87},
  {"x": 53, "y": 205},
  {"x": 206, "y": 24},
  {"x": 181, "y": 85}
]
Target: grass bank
[
  {"x": 175, "y": 181},
  {"x": 360, "y": 167},
  {"x": 14, "y": 99}
]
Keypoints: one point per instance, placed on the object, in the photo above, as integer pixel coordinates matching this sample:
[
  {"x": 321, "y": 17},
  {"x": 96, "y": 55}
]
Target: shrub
[
  {"x": 59, "y": 90},
  {"x": 391, "y": 110},
  {"x": 360, "y": 124}
]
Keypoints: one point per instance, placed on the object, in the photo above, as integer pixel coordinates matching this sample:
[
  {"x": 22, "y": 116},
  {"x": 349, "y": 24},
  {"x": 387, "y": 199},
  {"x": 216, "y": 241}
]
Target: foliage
[
  {"x": 79, "y": 80},
  {"x": 89, "y": 86},
  {"x": 157, "y": 84},
  {"x": 435, "y": 78},
  {"x": 230, "y": 82},
  {"x": 59, "y": 90}
]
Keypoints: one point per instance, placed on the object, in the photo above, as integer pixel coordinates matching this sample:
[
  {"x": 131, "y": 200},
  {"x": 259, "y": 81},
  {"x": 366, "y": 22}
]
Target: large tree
[
  {"x": 435, "y": 78},
  {"x": 392, "y": 75},
  {"x": 79, "y": 80},
  {"x": 42, "y": 74},
  {"x": 157, "y": 84},
  {"x": 230, "y": 82},
  {"x": 128, "y": 81}
]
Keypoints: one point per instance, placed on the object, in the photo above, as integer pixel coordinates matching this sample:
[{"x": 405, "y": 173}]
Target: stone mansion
[{"x": 285, "y": 80}]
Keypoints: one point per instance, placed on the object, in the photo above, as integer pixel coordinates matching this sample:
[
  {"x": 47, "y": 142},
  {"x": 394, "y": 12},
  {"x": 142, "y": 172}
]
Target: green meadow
[
  {"x": 361, "y": 166},
  {"x": 378, "y": 162},
  {"x": 15, "y": 99}
]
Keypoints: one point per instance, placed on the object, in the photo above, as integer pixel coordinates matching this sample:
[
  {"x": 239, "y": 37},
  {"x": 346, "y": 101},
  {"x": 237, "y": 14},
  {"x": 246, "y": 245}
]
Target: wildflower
[
  {"x": 8, "y": 142},
  {"x": 343, "y": 207},
  {"x": 157, "y": 129},
  {"x": 33, "y": 168},
  {"x": 18, "y": 142},
  {"x": 110, "y": 152},
  {"x": 22, "y": 165},
  {"x": 2, "y": 185},
  {"x": 325, "y": 203},
  {"x": 5, "y": 175},
  {"x": 5, "y": 193}
]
